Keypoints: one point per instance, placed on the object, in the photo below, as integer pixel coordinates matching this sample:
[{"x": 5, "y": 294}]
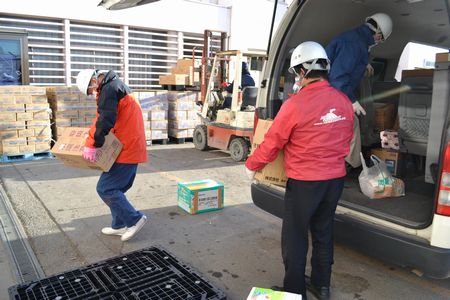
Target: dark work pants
[{"x": 309, "y": 205}]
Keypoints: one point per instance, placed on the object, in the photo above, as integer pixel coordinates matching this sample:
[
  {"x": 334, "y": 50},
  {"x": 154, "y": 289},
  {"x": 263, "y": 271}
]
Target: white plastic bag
[{"x": 377, "y": 182}]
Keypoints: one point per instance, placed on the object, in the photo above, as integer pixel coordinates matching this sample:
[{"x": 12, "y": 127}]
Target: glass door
[{"x": 13, "y": 58}]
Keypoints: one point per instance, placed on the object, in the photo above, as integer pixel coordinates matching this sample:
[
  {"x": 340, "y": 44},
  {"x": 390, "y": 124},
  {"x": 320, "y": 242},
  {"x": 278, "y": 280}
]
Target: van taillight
[{"x": 443, "y": 205}]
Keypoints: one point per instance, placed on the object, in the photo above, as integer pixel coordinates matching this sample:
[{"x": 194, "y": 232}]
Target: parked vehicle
[
  {"x": 229, "y": 129},
  {"x": 414, "y": 230}
]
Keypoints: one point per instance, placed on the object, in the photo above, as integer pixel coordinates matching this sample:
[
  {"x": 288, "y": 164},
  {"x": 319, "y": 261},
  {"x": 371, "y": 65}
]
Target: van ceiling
[{"x": 422, "y": 21}]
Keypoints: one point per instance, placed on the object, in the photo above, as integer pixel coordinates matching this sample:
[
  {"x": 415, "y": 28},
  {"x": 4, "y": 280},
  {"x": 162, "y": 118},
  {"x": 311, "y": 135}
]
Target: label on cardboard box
[
  {"x": 273, "y": 172},
  {"x": 69, "y": 149}
]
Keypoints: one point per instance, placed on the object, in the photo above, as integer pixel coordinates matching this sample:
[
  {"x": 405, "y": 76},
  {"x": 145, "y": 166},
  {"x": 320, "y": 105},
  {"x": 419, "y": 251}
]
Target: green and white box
[
  {"x": 258, "y": 293},
  {"x": 200, "y": 196}
]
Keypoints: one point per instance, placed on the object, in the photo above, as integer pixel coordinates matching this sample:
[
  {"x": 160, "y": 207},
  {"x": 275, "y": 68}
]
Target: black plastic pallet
[
  {"x": 24, "y": 157},
  {"x": 151, "y": 273}
]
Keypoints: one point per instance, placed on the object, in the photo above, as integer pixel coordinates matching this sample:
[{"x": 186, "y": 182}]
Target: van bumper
[{"x": 388, "y": 245}]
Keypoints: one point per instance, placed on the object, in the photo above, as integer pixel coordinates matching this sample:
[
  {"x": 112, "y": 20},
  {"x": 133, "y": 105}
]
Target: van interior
[{"x": 408, "y": 112}]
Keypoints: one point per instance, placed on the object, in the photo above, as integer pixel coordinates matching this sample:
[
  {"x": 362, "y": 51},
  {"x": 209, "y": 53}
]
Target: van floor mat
[{"x": 413, "y": 210}]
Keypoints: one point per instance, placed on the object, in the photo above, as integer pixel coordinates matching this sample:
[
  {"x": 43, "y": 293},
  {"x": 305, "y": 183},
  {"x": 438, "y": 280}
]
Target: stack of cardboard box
[
  {"x": 186, "y": 72},
  {"x": 154, "y": 106},
  {"x": 183, "y": 114},
  {"x": 70, "y": 108},
  {"x": 24, "y": 120}
]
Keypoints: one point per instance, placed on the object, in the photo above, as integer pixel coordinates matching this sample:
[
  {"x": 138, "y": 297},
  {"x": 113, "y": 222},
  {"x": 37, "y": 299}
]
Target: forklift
[{"x": 229, "y": 129}]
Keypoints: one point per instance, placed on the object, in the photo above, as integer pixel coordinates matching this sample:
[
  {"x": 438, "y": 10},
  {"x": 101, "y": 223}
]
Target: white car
[{"x": 414, "y": 230}]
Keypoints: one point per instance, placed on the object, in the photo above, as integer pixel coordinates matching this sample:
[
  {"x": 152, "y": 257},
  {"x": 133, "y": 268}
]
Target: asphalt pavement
[{"x": 235, "y": 248}]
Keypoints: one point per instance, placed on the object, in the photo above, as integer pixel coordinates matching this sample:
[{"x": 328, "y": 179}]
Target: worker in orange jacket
[{"x": 118, "y": 112}]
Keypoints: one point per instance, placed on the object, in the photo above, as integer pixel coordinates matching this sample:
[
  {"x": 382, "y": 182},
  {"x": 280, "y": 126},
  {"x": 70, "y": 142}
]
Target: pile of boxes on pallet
[
  {"x": 24, "y": 120},
  {"x": 186, "y": 72},
  {"x": 183, "y": 114},
  {"x": 154, "y": 106},
  {"x": 70, "y": 108}
]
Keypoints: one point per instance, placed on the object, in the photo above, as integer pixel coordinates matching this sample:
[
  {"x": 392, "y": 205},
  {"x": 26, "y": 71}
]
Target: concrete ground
[{"x": 234, "y": 248}]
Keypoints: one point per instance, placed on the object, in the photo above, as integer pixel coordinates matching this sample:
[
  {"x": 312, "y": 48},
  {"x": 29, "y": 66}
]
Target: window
[{"x": 13, "y": 58}]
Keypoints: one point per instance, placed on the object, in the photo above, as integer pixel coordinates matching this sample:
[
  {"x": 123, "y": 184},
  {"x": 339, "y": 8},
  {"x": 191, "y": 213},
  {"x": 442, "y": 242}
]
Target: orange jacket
[{"x": 120, "y": 113}]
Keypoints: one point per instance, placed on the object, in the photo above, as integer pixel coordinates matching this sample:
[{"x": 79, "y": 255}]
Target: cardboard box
[
  {"x": 391, "y": 158},
  {"x": 200, "y": 196},
  {"x": 69, "y": 149},
  {"x": 258, "y": 293},
  {"x": 223, "y": 116},
  {"x": 385, "y": 114},
  {"x": 442, "y": 57},
  {"x": 273, "y": 173},
  {"x": 174, "y": 79}
]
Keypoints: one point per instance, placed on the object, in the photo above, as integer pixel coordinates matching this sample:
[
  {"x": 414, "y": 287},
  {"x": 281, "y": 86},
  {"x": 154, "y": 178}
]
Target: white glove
[
  {"x": 250, "y": 173},
  {"x": 369, "y": 70},
  {"x": 358, "y": 109}
]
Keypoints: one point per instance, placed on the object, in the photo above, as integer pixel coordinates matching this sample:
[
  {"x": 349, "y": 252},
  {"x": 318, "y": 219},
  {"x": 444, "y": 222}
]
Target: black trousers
[{"x": 309, "y": 205}]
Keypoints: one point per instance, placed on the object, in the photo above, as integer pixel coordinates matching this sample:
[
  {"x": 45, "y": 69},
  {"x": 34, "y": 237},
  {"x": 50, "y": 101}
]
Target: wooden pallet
[{"x": 24, "y": 157}]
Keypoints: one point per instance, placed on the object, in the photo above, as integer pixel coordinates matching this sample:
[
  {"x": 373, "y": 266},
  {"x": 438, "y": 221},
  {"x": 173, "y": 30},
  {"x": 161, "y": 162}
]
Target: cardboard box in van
[
  {"x": 391, "y": 158},
  {"x": 385, "y": 115},
  {"x": 69, "y": 149},
  {"x": 273, "y": 172}
]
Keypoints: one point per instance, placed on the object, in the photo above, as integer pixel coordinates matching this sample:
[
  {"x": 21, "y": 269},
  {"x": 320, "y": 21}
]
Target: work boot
[
  {"x": 321, "y": 292},
  {"x": 131, "y": 231},
  {"x": 112, "y": 231}
]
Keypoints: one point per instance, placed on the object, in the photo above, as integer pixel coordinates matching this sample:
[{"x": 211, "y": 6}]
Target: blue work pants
[{"x": 111, "y": 187}]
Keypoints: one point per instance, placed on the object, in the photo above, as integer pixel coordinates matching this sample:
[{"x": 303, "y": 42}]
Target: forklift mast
[{"x": 214, "y": 41}]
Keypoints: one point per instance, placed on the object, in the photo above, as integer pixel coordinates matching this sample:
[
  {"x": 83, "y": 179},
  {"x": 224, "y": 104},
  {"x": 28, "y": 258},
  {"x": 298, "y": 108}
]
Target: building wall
[{"x": 138, "y": 43}]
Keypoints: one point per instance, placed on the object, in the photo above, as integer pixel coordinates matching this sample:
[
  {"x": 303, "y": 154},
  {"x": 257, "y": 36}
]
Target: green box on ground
[{"x": 200, "y": 196}]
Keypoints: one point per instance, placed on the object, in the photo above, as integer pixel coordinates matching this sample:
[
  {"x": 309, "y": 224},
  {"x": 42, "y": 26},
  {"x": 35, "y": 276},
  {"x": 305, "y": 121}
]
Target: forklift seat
[{"x": 249, "y": 94}]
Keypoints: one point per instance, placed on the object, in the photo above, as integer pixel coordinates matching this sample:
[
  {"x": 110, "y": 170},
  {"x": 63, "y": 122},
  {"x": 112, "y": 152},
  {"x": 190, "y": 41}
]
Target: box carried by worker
[
  {"x": 273, "y": 172},
  {"x": 267, "y": 294},
  {"x": 200, "y": 196},
  {"x": 69, "y": 149}
]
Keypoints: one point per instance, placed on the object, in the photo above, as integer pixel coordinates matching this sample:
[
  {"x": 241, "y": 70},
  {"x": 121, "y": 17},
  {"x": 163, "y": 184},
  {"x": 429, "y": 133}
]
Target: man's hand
[
  {"x": 369, "y": 70},
  {"x": 250, "y": 173},
  {"x": 90, "y": 154},
  {"x": 358, "y": 109}
]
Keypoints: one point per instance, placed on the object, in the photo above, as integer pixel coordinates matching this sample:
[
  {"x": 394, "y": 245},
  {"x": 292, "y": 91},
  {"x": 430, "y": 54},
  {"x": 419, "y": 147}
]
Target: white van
[{"x": 411, "y": 231}]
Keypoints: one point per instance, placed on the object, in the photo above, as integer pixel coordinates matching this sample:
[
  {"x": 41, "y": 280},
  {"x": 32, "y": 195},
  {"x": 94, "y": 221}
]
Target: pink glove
[{"x": 90, "y": 154}]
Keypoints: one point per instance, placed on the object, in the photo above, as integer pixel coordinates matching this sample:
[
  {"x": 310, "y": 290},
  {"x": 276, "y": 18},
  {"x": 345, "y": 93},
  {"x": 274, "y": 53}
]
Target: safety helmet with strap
[
  {"x": 307, "y": 54},
  {"x": 384, "y": 24}
]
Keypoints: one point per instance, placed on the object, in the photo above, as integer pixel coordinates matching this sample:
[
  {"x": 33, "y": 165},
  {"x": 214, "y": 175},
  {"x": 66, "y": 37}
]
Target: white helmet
[
  {"x": 307, "y": 53},
  {"x": 83, "y": 79},
  {"x": 384, "y": 23}
]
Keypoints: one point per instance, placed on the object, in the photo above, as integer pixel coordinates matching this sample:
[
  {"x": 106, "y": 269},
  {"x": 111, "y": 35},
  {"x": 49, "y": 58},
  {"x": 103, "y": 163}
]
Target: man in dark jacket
[
  {"x": 349, "y": 57},
  {"x": 246, "y": 80},
  {"x": 119, "y": 112}
]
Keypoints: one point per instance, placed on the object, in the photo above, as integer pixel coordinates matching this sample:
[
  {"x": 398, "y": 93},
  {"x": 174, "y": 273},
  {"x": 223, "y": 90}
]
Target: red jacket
[
  {"x": 314, "y": 127},
  {"x": 119, "y": 112}
]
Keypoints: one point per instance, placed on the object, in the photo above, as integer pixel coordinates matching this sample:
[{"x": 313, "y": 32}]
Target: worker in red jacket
[
  {"x": 314, "y": 128},
  {"x": 118, "y": 112}
]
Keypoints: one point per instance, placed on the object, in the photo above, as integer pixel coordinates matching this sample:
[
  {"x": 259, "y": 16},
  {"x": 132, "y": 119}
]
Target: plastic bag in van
[{"x": 377, "y": 182}]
